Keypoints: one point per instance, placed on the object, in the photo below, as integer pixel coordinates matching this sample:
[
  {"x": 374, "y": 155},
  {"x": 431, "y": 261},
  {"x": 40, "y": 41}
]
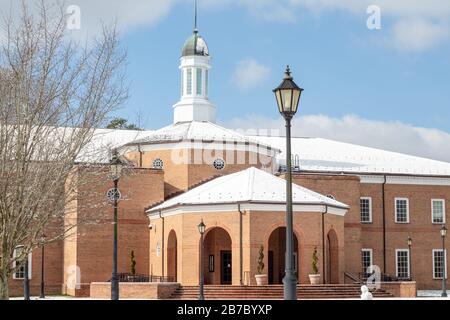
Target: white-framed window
[
  {"x": 189, "y": 81},
  {"x": 365, "y": 204},
  {"x": 366, "y": 261},
  {"x": 438, "y": 211},
  {"x": 438, "y": 263},
  {"x": 20, "y": 272},
  {"x": 182, "y": 82},
  {"x": 158, "y": 163},
  {"x": 199, "y": 81},
  {"x": 402, "y": 263},
  {"x": 401, "y": 210},
  {"x": 206, "y": 82}
]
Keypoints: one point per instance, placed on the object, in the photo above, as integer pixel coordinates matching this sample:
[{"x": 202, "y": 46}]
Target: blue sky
[
  {"x": 344, "y": 67},
  {"x": 386, "y": 88}
]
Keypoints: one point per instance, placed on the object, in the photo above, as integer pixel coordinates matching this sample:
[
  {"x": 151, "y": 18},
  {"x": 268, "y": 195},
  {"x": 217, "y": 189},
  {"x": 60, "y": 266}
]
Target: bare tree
[{"x": 53, "y": 94}]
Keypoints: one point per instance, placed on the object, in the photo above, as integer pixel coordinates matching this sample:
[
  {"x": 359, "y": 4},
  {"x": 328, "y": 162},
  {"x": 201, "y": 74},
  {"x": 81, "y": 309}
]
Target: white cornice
[
  {"x": 213, "y": 208},
  {"x": 408, "y": 180}
]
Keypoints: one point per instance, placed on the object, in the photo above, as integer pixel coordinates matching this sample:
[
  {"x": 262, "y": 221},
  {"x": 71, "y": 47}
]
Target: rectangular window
[
  {"x": 401, "y": 210},
  {"x": 189, "y": 82},
  {"x": 206, "y": 82},
  {"x": 402, "y": 263},
  {"x": 20, "y": 272},
  {"x": 438, "y": 264},
  {"x": 365, "y": 204},
  {"x": 366, "y": 262},
  {"x": 438, "y": 211},
  {"x": 182, "y": 82},
  {"x": 199, "y": 81}
]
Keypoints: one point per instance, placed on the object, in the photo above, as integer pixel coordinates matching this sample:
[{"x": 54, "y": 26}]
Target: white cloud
[
  {"x": 393, "y": 136},
  {"x": 127, "y": 14},
  {"x": 249, "y": 74}
]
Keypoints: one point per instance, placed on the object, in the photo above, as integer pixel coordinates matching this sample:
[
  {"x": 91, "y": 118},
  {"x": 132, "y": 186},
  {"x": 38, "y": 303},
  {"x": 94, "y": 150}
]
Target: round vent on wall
[
  {"x": 158, "y": 163},
  {"x": 219, "y": 164}
]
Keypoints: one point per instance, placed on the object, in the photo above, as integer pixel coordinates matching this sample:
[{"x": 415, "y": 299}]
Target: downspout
[
  {"x": 384, "y": 222},
  {"x": 241, "y": 249},
  {"x": 162, "y": 243},
  {"x": 140, "y": 155}
]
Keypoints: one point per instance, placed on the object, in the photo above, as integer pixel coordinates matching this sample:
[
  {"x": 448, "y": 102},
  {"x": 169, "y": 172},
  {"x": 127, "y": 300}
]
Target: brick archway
[
  {"x": 217, "y": 258},
  {"x": 172, "y": 255},
  {"x": 276, "y": 250},
  {"x": 332, "y": 258}
]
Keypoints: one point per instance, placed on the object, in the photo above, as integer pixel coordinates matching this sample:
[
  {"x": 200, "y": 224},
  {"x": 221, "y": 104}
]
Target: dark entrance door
[{"x": 225, "y": 269}]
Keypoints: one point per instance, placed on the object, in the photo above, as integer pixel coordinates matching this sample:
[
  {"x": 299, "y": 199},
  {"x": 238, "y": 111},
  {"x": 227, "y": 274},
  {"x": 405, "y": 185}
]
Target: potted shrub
[
  {"x": 314, "y": 278},
  {"x": 132, "y": 276},
  {"x": 261, "y": 279}
]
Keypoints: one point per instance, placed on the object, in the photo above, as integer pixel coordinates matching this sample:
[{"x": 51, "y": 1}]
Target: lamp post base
[
  {"x": 290, "y": 286},
  {"x": 444, "y": 295}
]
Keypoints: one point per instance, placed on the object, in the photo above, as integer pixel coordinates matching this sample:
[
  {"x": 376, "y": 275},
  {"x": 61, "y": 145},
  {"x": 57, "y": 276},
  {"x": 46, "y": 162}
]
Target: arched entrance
[
  {"x": 332, "y": 257},
  {"x": 172, "y": 255},
  {"x": 217, "y": 263},
  {"x": 276, "y": 255}
]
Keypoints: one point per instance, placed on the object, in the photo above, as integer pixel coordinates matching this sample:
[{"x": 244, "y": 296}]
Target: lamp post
[
  {"x": 26, "y": 280},
  {"x": 288, "y": 98},
  {"x": 409, "y": 240},
  {"x": 115, "y": 170},
  {"x": 42, "y": 295},
  {"x": 201, "y": 229},
  {"x": 444, "y": 262}
]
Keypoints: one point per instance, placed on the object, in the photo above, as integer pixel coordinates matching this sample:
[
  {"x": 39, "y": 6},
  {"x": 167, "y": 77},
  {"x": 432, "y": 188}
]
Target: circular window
[
  {"x": 219, "y": 164},
  {"x": 331, "y": 197},
  {"x": 158, "y": 163}
]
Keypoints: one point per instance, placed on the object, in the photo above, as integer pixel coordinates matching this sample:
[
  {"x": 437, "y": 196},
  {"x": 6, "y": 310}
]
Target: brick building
[{"x": 356, "y": 205}]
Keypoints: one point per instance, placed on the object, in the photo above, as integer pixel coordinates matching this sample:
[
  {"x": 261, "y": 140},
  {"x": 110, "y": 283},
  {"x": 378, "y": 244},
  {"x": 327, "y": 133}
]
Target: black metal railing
[
  {"x": 383, "y": 277},
  {"x": 128, "y": 277}
]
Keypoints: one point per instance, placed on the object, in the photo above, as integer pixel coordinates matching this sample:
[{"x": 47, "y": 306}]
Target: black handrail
[{"x": 128, "y": 277}]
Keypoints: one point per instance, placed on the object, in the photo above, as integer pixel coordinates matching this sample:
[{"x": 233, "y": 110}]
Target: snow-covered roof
[
  {"x": 248, "y": 186},
  {"x": 98, "y": 150},
  {"x": 322, "y": 155},
  {"x": 195, "y": 131}
]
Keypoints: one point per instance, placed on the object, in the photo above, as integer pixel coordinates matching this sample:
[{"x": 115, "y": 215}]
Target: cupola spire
[{"x": 195, "y": 16}]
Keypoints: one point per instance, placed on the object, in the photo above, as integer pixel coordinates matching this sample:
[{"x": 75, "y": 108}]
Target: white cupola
[{"x": 195, "y": 65}]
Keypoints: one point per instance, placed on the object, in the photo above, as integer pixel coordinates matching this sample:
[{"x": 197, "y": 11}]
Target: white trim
[
  {"x": 432, "y": 262},
  {"x": 407, "y": 210},
  {"x": 371, "y": 256},
  {"x": 30, "y": 264},
  {"x": 407, "y": 261},
  {"x": 370, "y": 209},
  {"x": 443, "y": 213},
  {"x": 217, "y": 145},
  {"x": 409, "y": 180},
  {"x": 232, "y": 207}
]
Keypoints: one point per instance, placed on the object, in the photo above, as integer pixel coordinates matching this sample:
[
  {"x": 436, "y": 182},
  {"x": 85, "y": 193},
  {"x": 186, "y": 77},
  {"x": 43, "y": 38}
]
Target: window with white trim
[
  {"x": 402, "y": 263},
  {"x": 438, "y": 211},
  {"x": 199, "y": 81},
  {"x": 438, "y": 263},
  {"x": 366, "y": 261},
  {"x": 182, "y": 82},
  {"x": 189, "y": 82},
  {"x": 206, "y": 82},
  {"x": 365, "y": 204},
  {"x": 401, "y": 210},
  {"x": 20, "y": 271}
]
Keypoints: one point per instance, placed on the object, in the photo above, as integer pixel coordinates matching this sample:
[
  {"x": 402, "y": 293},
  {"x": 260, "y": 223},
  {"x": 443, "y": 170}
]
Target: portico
[{"x": 240, "y": 221}]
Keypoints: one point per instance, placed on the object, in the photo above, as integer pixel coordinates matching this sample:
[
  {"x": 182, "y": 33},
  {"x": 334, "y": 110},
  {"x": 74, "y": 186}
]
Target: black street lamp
[
  {"x": 201, "y": 229},
  {"x": 288, "y": 98},
  {"x": 444, "y": 262},
  {"x": 115, "y": 170},
  {"x": 409, "y": 240},
  {"x": 42, "y": 295}
]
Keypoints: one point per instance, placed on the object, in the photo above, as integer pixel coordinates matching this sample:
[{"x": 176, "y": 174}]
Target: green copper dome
[{"x": 195, "y": 45}]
